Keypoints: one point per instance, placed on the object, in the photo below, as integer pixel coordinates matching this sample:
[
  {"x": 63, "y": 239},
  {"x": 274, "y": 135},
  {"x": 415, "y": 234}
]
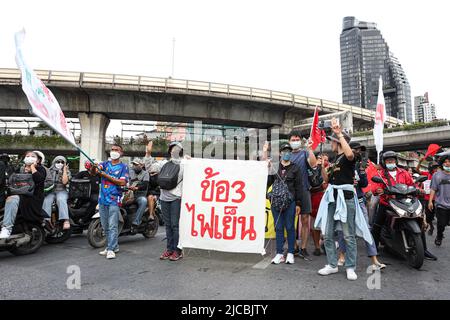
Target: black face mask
[{"x": 137, "y": 170}]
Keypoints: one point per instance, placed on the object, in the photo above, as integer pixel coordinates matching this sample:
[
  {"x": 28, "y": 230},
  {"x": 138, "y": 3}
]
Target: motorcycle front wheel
[
  {"x": 96, "y": 236},
  {"x": 416, "y": 254}
]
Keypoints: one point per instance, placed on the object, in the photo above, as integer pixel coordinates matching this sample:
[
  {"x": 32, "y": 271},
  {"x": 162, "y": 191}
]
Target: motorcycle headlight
[{"x": 399, "y": 210}]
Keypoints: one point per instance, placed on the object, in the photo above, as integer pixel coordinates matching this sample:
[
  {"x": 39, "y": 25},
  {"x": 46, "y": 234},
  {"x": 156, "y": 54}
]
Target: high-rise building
[
  {"x": 365, "y": 56},
  {"x": 424, "y": 110}
]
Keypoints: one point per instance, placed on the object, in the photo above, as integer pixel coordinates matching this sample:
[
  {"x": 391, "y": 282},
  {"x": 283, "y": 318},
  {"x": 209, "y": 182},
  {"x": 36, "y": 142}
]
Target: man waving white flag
[{"x": 380, "y": 118}]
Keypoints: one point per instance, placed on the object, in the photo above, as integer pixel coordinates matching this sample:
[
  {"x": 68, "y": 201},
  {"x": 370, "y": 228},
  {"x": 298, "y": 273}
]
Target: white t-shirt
[{"x": 393, "y": 174}]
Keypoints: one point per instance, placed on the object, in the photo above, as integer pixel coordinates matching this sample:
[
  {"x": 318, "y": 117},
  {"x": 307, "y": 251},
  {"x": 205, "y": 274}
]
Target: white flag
[
  {"x": 380, "y": 118},
  {"x": 42, "y": 101}
]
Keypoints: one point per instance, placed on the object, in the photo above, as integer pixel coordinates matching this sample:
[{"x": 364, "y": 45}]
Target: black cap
[
  {"x": 357, "y": 145},
  {"x": 285, "y": 145}
]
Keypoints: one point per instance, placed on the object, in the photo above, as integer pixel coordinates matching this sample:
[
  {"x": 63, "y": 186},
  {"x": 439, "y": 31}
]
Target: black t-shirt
[{"x": 343, "y": 172}]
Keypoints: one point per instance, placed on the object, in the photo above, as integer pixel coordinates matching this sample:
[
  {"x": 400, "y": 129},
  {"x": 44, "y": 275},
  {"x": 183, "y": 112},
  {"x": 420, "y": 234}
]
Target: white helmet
[{"x": 41, "y": 155}]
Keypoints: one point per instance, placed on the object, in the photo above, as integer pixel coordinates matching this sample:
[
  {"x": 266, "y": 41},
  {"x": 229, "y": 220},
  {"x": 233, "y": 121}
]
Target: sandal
[{"x": 66, "y": 225}]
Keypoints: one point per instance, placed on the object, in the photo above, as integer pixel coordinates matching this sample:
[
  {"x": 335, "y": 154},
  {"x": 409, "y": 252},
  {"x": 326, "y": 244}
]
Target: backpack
[
  {"x": 315, "y": 178},
  {"x": 280, "y": 197},
  {"x": 21, "y": 184},
  {"x": 168, "y": 176}
]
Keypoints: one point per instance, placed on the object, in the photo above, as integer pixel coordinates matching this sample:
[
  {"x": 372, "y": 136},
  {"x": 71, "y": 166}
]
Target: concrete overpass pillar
[{"x": 93, "y": 130}]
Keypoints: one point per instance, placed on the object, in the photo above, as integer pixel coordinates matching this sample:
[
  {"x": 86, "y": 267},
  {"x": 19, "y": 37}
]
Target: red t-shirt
[{"x": 402, "y": 177}]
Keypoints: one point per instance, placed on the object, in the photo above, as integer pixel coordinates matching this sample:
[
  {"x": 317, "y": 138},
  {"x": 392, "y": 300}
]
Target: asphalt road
[{"x": 137, "y": 273}]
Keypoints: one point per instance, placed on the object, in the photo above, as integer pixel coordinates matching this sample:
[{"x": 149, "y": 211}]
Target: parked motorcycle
[
  {"x": 402, "y": 230},
  {"x": 148, "y": 228}
]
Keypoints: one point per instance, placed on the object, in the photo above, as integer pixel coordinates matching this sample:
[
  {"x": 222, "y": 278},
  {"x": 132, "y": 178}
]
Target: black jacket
[
  {"x": 293, "y": 179},
  {"x": 31, "y": 207}
]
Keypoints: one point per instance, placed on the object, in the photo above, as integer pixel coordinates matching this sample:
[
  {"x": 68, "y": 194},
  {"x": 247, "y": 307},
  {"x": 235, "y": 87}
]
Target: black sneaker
[
  {"x": 317, "y": 252},
  {"x": 430, "y": 256},
  {"x": 296, "y": 251},
  {"x": 438, "y": 241}
]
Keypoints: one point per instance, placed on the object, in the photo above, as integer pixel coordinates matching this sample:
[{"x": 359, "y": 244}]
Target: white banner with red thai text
[
  {"x": 222, "y": 206},
  {"x": 42, "y": 101}
]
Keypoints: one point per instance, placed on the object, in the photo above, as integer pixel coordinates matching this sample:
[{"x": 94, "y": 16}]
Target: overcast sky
[{"x": 289, "y": 46}]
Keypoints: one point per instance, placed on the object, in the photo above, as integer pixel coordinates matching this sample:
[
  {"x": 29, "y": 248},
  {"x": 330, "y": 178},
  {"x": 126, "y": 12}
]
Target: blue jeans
[
  {"x": 171, "y": 216},
  {"x": 349, "y": 231},
  {"x": 142, "y": 205},
  {"x": 109, "y": 218},
  {"x": 285, "y": 219},
  {"x": 61, "y": 202},
  {"x": 371, "y": 248},
  {"x": 11, "y": 208}
]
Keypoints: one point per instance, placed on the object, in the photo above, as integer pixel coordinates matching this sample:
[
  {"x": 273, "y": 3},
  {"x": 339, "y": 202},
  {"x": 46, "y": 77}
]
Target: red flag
[
  {"x": 317, "y": 135},
  {"x": 432, "y": 150}
]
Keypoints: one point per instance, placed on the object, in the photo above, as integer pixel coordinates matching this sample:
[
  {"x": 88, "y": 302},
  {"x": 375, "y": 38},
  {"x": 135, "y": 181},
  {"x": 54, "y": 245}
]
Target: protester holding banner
[
  {"x": 30, "y": 206},
  {"x": 285, "y": 198},
  {"x": 114, "y": 174},
  {"x": 171, "y": 183},
  {"x": 304, "y": 159}
]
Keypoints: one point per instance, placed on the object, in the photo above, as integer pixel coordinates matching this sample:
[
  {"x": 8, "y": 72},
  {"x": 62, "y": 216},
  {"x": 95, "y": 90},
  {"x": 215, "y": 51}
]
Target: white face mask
[
  {"x": 30, "y": 160},
  {"x": 59, "y": 166},
  {"x": 296, "y": 145},
  {"x": 114, "y": 155}
]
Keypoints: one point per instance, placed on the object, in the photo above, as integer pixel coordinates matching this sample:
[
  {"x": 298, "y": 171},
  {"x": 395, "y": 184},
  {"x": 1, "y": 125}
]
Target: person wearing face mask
[
  {"x": 339, "y": 208},
  {"x": 30, "y": 207},
  {"x": 171, "y": 202},
  {"x": 58, "y": 176},
  {"x": 305, "y": 159},
  {"x": 139, "y": 179},
  {"x": 392, "y": 175},
  {"x": 440, "y": 193},
  {"x": 289, "y": 174},
  {"x": 114, "y": 175},
  {"x": 425, "y": 191}
]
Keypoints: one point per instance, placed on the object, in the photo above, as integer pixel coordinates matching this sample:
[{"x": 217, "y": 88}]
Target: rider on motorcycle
[
  {"x": 30, "y": 206},
  {"x": 139, "y": 184},
  {"x": 392, "y": 175}
]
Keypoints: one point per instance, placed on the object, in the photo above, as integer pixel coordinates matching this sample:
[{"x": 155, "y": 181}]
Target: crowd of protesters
[{"x": 330, "y": 198}]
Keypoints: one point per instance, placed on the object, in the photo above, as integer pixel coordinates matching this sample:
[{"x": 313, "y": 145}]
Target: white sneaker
[
  {"x": 279, "y": 258},
  {"x": 327, "y": 270},
  {"x": 290, "y": 258},
  {"x": 351, "y": 275},
  {"x": 110, "y": 255},
  {"x": 5, "y": 233},
  {"x": 105, "y": 252}
]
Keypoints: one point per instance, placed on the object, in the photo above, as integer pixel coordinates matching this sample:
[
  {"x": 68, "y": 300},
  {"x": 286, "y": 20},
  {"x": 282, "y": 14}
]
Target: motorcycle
[
  {"x": 78, "y": 204},
  {"x": 148, "y": 228},
  {"x": 402, "y": 231},
  {"x": 27, "y": 237}
]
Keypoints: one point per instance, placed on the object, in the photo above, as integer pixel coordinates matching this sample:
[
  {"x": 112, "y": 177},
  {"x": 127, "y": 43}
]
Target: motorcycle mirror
[
  {"x": 422, "y": 179},
  {"x": 377, "y": 179}
]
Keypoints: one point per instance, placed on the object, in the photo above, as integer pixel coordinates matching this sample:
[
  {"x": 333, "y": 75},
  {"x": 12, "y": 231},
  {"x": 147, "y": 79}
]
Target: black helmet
[
  {"x": 388, "y": 155},
  {"x": 432, "y": 165},
  {"x": 285, "y": 145}
]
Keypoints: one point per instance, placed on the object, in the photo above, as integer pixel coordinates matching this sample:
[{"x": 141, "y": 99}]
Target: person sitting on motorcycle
[
  {"x": 58, "y": 178},
  {"x": 152, "y": 167},
  {"x": 139, "y": 184},
  {"x": 30, "y": 206},
  {"x": 392, "y": 175}
]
